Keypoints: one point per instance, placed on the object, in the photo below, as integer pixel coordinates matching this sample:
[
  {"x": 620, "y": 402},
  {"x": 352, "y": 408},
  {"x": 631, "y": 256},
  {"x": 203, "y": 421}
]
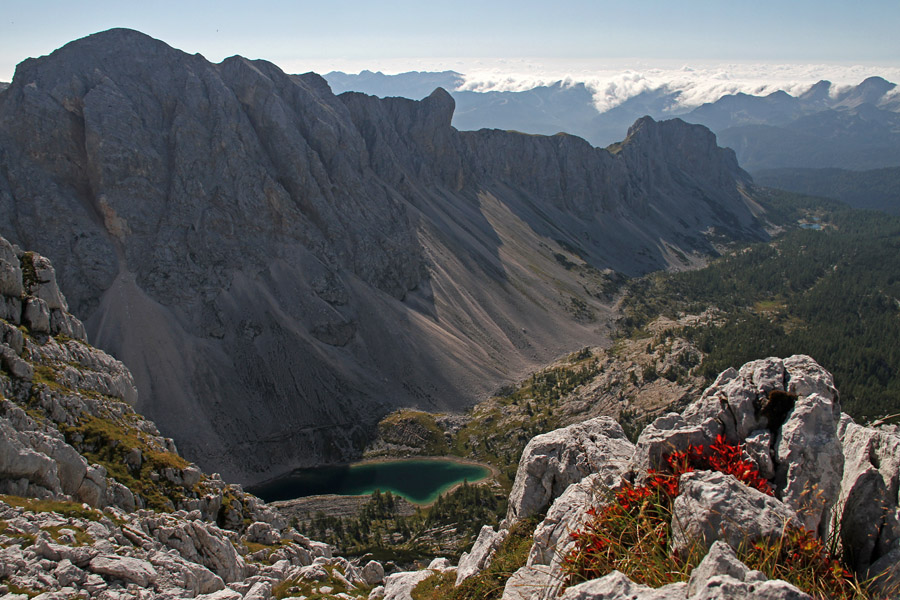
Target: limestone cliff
[{"x": 279, "y": 266}]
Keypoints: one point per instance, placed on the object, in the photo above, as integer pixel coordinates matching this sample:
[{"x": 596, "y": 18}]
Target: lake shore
[{"x": 322, "y": 499}]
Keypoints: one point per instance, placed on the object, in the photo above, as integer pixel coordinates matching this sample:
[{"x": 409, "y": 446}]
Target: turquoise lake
[{"x": 418, "y": 480}]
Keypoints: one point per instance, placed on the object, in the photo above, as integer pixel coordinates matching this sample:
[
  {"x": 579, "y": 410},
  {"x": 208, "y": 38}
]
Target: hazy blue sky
[{"x": 302, "y": 36}]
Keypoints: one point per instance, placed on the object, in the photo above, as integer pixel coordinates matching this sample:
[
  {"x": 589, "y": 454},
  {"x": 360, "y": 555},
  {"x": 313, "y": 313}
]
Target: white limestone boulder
[
  {"x": 126, "y": 568},
  {"x": 617, "y": 586},
  {"x": 479, "y": 558},
  {"x": 809, "y": 461},
  {"x": 868, "y": 501},
  {"x": 713, "y": 506},
  {"x": 553, "y": 461}
]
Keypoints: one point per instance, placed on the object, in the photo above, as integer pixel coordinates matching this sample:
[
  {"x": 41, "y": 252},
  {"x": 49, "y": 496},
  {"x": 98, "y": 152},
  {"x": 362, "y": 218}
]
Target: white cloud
[
  {"x": 697, "y": 83},
  {"x": 614, "y": 81}
]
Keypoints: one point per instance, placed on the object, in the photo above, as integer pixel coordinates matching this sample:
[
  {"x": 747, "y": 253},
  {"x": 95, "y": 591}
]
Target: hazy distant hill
[
  {"x": 542, "y": 110},
  {"x": 878, "y": 189},
  {"x": 414, "y": 84},
  {"x": 853, "y": 128}
]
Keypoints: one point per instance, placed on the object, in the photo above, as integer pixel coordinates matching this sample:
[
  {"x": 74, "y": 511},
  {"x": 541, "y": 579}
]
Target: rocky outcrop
[
  {"x": 479, "y": 557},
  {"x": 94, "y": 554},
  {"x": 791, "y": 404},
  {"x": 869, "y": 505},
  {"x": 714, "y": 506},
  {"x": 617, "y": 585},
  {"x": 567, "y": 514},
  {"x": 553, "y": 461},
  {"x": 71, "y": 527},
  {"x": 253, "y": 224},
  {"x": 822, "y": 466}
]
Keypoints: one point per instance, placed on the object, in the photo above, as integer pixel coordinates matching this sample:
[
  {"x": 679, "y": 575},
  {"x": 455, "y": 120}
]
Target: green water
[{"x": 418, "y": 480}]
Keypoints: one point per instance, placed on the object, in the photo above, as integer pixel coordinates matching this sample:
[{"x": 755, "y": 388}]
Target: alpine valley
[
  {"x": 281, "y": 267},
  {"x": 684, "y": 385}
]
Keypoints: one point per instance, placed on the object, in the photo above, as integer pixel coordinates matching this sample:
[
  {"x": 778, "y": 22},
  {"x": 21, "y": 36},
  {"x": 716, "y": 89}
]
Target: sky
[{"x": 502, "y": 44}]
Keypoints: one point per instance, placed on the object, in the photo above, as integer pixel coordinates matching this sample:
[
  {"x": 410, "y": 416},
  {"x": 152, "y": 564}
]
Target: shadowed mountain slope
[{"x": 280, "y": 266}]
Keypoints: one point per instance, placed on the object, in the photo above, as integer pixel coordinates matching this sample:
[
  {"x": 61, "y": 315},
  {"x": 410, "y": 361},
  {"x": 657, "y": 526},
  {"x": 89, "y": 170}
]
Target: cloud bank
[
  {"x": 612, "y": 82},
  {"x": 695, "y": 84}
]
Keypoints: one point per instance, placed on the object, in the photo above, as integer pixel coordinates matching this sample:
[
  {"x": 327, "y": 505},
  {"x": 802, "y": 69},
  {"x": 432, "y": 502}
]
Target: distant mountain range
[{"x": 856, "y": 128}]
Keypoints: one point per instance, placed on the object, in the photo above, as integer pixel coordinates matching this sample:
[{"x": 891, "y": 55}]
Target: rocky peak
[
  {"x": 818, "y": 94},
  {"x": 690, "y": 147}
]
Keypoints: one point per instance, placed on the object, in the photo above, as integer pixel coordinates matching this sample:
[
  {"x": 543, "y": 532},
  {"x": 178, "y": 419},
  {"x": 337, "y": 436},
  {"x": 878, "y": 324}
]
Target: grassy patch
[
  {"x": 81, "y": 536},
  {"x": 312, "y": 590},
  {"x": 29, "y": 273},
  {"x": 67, "y": 509},
  {"x": 107, "y": 442},
  {"x": 47, "y": 376},
  {"x": 15, "y": 589}
]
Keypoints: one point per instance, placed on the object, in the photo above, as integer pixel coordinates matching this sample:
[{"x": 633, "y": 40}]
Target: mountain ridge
[
  {"x": 825, "y": 126},
  {"x": 284, "y": 265}
]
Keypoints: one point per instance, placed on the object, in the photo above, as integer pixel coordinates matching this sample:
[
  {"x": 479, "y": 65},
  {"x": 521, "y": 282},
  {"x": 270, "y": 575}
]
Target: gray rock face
[
  {"x": 254, "y": 225},
  {"x": 869, "y": 504},
  {"x": 810, "y": 461},
  {"x": 720, "y": 560},
  {"x": 616, "y": 586},
  {"x": 132, "y": 570},
  {"x": 483, "y": 550},
  {"x": 566, "y": 515},
  {"x": 531, "y": 582},
  {"x": 554, "y": 460},
  {"x": 373, "y": 573},
  {"x": 714, "y": 506},
  {"x": 399, "y": 586}
]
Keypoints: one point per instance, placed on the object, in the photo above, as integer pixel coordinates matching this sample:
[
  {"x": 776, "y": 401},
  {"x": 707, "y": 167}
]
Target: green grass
[
  {"x": 81, "y": 536},
  {"x": 15, "y": 589},
  {"x": 107, "y": 442},
  {"x": 309, "y": 589},
  {"x": 66, "y": 509}
]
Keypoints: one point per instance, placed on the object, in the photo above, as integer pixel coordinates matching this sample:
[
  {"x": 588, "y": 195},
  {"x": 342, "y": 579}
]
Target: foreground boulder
[
  {"x": 713, "y": 506},
  {"x": 822, "y": 467},
  {"x": 553, "y": 461},
  {"x": 791, "y": 404},
  {"x": 479, "y": 558},
  {"x": 869, "y": 494}
]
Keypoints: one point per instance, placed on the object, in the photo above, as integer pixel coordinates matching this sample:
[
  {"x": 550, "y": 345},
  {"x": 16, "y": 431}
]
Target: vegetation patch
[
  {"x": 498, "y": 430},
  {"x": 328, "y": 587},
  {"x": 29, "y": 273},
  {"x": 57, "y": 532},
  {"x": 72, "y": 510},
  {"x": 104, "y": 441},
  {"x": 23, "y": 591},
  {"x": 446, "y": 528},
  {"x": 632, "y": 534},
  {"x": 832, "y": 294}
]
